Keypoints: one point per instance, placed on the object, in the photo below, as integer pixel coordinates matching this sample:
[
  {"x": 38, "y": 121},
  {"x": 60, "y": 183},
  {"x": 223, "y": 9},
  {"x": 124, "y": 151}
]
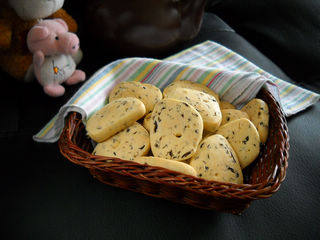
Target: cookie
[
  {"x": 147, "y": 93},
  {"x": 244, "y": 139},
  {"x": 190, "y": 85},
  {"x": 216, "y": 160},
  {"x": 114, "y": 117},
  {"x": 204, "y": 103},
  {"x": 206, "y": 134},
  {"x": 147, "y": 121},
  {"x": 168, "y": 164},
  {"x": 226, "y": 105},
  {"x": 229, "y": 115},
  {"x": 258, "y": 112},
  {"x": 131, "y": 142},
  {"x": 175, "y": 130}
]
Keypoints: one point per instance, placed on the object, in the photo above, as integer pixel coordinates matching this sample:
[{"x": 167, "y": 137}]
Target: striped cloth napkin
[{"x": 233, "y": 77}]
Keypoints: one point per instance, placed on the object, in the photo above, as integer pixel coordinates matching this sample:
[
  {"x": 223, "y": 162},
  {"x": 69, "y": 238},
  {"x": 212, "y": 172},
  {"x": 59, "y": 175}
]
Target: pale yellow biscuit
[
  {"x": 244, "y": 139},
  {"x": 131, "y": 142},
  {"x": 168, "y": 164},
  {"x": 226, "y": 105},
  {"x": 204, "y": 103},
  {"x": 175, "y": 130},
  {"x": 216, "y": 160},
  {"x": 191, "y": 85},
  {"x": 229, "y": 115},
  {"x": 147, "y": 121},
  {"x": 258, "y": 112},
  {"x": 147, "y": 93},
  {"x": 114, "y": 117}
]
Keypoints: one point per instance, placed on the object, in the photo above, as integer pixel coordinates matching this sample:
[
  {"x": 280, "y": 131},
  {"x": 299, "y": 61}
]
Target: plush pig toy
[
  {"x": 52, "y": 47},
  {"x": 17, "y": 17}
]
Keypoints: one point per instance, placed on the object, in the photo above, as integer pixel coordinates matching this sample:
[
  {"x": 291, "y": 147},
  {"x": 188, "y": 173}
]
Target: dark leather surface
[
  {"x": 46, "y": 197},
  {"x": 287, "y": 31},
  {"x": 141, "y": 26}
]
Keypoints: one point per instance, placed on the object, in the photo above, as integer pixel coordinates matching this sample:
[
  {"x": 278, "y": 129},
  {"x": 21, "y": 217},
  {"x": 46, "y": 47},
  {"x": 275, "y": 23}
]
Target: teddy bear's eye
[{"x": 57, "y": 38}]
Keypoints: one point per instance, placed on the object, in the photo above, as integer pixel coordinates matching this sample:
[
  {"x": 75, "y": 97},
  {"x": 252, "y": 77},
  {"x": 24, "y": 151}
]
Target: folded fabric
[{"x": 233, "y": 77}]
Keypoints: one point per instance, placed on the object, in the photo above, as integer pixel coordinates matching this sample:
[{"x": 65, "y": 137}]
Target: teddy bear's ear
[
  {"x": 38, "y": 33},
  {"x": 62, "y": 22}
]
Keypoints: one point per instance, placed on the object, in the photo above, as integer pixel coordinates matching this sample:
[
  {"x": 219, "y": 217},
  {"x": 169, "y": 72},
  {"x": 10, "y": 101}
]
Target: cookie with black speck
[
  {"x": 190, "y": 85},
  {"x": 175, "y": 130},
  {"x": 128, "y": 144},
  {"x": 229, "y": 115},
  {"x": 244, "y": 139},
  {"x": 258, "y": 112},
  {"x": 147, "y": 122},
  {"x": 219, "y": 163},
  {"x": 114, "y": 117},
  {"x": 147, "y": 93},
  {"x": 204, "y": 103}
]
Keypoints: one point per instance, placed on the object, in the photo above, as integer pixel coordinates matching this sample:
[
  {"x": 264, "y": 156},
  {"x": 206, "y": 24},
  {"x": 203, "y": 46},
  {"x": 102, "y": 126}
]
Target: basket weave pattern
[{"x": 262, "y": 178}]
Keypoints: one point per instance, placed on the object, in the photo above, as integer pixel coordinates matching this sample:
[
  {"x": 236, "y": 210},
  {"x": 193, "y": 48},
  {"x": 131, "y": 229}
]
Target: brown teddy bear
[{"x": 17, "y": 17}]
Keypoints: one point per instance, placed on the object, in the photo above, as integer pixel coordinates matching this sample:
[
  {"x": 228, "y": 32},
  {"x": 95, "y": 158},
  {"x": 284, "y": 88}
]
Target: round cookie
[
  {"x": 147, "y": 93},
  {"x": 147, "y": 121},
  {"x": 168, "y": 164},
  {"x": 216, "y": 160},
  {"x": 175, "y": 130},
  {"x": 258, "y": 112},
  {"x": 131, "y": 142},
  {"x": 226, "y": 105},
  {"x": 229, "y": 115},
  {"x": 244, "y": 139},
  {"x": 190, "y": 85},
  {"x": 114, "y": 117},
  {"x": 204, "y": 103}
]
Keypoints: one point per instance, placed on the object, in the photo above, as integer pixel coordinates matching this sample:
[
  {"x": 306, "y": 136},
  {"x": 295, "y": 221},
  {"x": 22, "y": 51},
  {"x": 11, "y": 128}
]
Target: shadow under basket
[{"x": 262, "y": 178}]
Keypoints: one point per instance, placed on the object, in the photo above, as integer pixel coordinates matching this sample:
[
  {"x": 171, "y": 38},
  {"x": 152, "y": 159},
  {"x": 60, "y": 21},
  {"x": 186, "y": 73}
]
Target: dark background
[{"x": 46, "y": 197}]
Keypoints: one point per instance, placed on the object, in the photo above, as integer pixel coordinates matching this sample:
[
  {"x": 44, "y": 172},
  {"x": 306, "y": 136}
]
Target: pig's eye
[{"x": 57, "y": 38}]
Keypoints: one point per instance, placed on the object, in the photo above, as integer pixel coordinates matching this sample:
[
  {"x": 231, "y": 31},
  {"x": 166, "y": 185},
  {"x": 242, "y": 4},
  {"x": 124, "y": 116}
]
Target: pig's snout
[{"x": 69, "y": 43}]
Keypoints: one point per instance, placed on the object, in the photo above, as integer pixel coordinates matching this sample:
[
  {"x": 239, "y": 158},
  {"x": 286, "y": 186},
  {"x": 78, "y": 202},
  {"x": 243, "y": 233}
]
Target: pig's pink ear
[
  {"x": 62, "y": 22},
  {"x": 38, "y": 33}
]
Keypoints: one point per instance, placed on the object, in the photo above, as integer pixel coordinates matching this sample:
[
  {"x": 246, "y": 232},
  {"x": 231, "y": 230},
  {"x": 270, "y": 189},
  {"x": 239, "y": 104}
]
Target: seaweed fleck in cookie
[
  {"x": 258, "y": 112},
  {"x": 216, "y": 160},
  {"x": 147, "y": 93},
  {"x": 175, "y": 130},
  {"x": 205, "y": 104},
  {"x": 168, "y": 164},
  {"x": 244, "y": 139},
  {"x": 114, "y": 117},
  {"x": 131, "y": 142}
]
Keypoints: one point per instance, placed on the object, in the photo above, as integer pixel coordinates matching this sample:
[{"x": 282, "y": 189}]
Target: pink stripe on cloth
[
  {"x": 146, "y": 77},
  {"x": 214, "y": 78}
]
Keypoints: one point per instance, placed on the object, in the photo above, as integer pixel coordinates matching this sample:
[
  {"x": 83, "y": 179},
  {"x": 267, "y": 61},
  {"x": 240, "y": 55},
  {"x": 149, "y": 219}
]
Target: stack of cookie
[{"x": 184, "y": 129}]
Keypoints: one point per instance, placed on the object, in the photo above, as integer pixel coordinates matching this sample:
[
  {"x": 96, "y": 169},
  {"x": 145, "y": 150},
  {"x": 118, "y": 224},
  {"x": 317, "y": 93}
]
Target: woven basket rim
[
  {"x": 205, "y": 183},
  {"x": 246, "y": 191}
]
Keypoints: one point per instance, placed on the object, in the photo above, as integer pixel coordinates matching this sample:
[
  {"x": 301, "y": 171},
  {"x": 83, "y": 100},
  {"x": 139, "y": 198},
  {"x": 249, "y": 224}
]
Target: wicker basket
[{"x": 262, "y": 178}]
